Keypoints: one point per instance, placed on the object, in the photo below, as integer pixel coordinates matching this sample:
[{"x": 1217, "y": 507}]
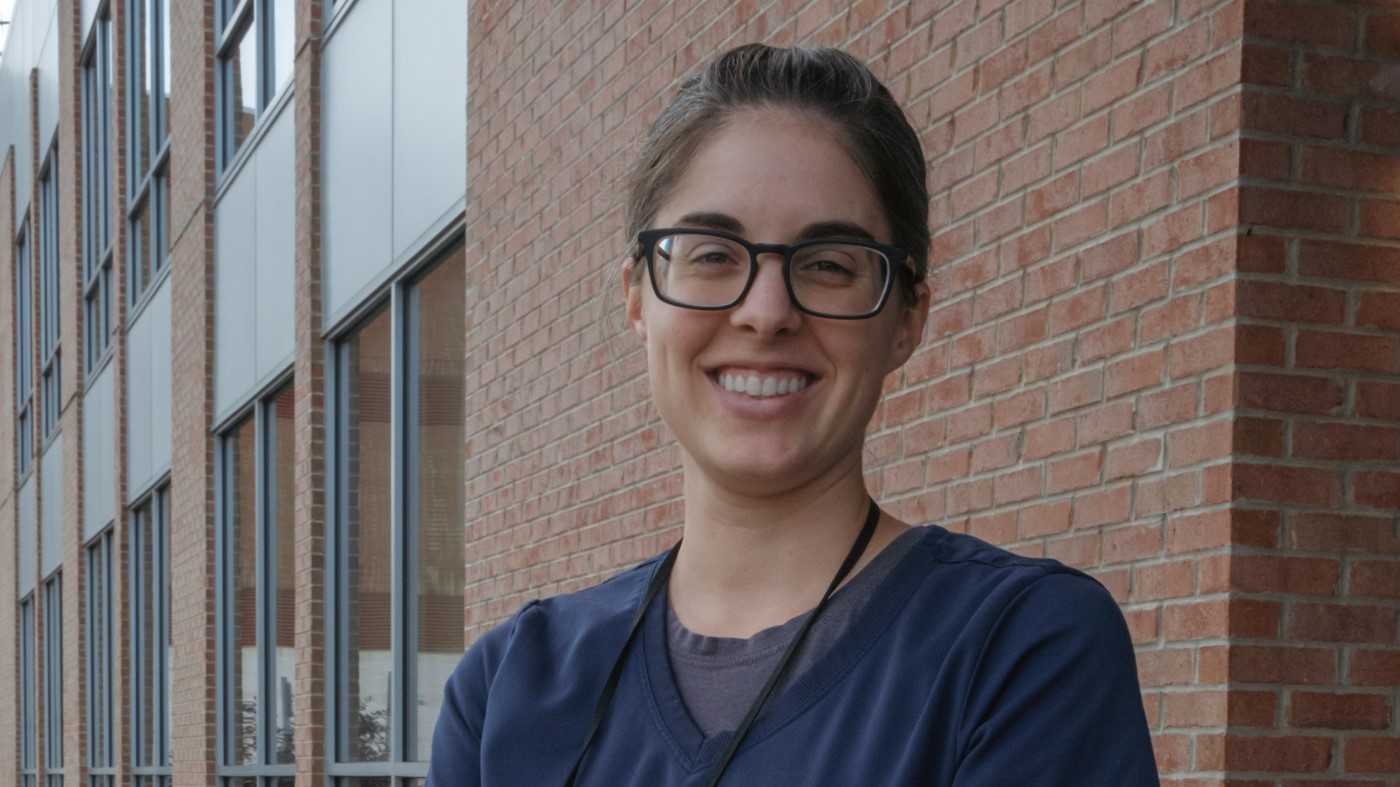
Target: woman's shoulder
[{"x": 940, "y": 546}]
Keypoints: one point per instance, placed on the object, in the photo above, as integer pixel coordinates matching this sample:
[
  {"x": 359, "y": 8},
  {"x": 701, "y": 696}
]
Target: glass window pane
[
  {"x": 141, "y": 250},
  {"x": 139, "y": 24},
  {"x": 161, "y": 10},
  {"x": 145, "y": 614},
  {"x": 283, "y": 34},
  {"x": 365, "y": 673},
  {"x": 241, "y": 626},
  {"x": 241, "y": 80},
  {"x": 284, "y": 661},
  {"x": 440, "y": 301},
  {"x": 162, "y": 234}
]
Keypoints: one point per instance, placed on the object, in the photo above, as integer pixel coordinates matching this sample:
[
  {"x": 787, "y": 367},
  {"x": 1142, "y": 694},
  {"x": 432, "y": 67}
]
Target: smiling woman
[{"x": 798, "y": 634}]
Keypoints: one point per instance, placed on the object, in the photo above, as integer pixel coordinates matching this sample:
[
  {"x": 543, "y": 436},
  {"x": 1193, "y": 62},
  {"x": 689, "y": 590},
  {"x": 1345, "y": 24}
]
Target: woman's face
[{"x": 771, "y": 176}]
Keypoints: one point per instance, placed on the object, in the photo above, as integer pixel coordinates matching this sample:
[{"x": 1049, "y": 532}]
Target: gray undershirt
[{"x": 719, "y": 677}]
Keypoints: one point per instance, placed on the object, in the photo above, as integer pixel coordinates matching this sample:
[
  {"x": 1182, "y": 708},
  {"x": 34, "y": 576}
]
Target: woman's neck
[{"x": 749, "y": 562}]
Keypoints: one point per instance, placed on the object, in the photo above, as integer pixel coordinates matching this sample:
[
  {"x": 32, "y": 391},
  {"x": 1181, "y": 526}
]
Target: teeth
[{"x": 763, "y": 387}]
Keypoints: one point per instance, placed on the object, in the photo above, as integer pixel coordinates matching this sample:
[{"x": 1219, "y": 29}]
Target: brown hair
[{"x": 826, "y": 81}]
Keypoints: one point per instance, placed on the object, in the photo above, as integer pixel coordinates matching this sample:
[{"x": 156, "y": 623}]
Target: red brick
[
  {"x": 1380, "y": 126},
  {"x": 1182, "y": 46},
  {"x": 1109, "y": 85},
  {"x": 1139, "y": 199},
  {"x": 1207, "y": 352},
  {"x": 1105, "y": 340},
  {"x": 1027, "y": 89},
  {"x": 1274, "y": 664},
  {"x": 1195, "y": 444},
  {"x": 1261, "y": 254},
  {"x": 1080, "y": 552},
  {"x": 1143, "y": 625},
  {"x": 1336, "y": 532},
  {"x": 1262, "y": 64},
  {"x": 1141, "y": 111},
  {"x": 1376, "y": 579},
  {"x": 1294, "y": 210},
  {"x": 1350, "y": 169},
  {"x": 1106, "y": 506},
  {"x": 1353, "y": 351},
  {"x": 1126, "y": 461},
  {"x": 1144, "y": 22},
  {"x": 1274, "y": 574},
  {"x": 1348, "y": 261},
  {"x": 1052, "y": 116},
  {"x": 1045, "y": 519},
  {"x": 1122, "y": 544},
  {"x": 998, "y": 300},
  {"x": 1050, "y": 279},
  {"x": 1104, "y": 423},
  {"x": 1333, "y": 26},
  {"x": 1372, "y": 755},
  {"x": 1258, "y": 437},
  {"x": 1378, "y": 400},
  {"x": 1338, "y": 711},
  {"x": 1087, "y": 221},
  {"x": 1176, "y": 579},
  {"x": 1289, "y": 754},
  {"x": 1266, "y": 159},
  {"x": 1378, "y": 309},
  {"x": 1165, "y": 667},
  {"x": 1214, "y": 260},
  {"x": 1172, "y": 406},
  {"x": 1349, "y": 76},
  {"x": 1374, "y": 668},
  {"x": 1052, "y": 198},
  {"x": 1283, "y": 302},
  {"x": 1073, "y": 472},
  {"x": 1077, "y": 391},
  {"x": 1289, "y": 393},
  {"x": 1345, "y": 442},
  {"x": 1260, "y": 345},
  {"x": 1025, "y": 168},
  {"x": 1083, "y": 56},
  {"x": 1133, "y": 373},
  {"x": 1380, "y": 219},
  {"x": 1079, "y": 142},
  {"x": 1138, "y": 287},
  {"x": 1377, "y": 489},
  {"x": 1286, "y": 484},
  {"x": 1044, "y": 440},
  {"x": 1173, "y": 231},
  {"x": 1341, "y": 623},
  {"x": 1304, "y": 117},
  {"x": 1020, "y": 407}
]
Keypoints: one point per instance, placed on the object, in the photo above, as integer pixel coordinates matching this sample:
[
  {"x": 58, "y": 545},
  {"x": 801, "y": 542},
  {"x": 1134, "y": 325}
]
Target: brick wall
[
  {"x": 1317, "y": 430},
  {"x": 9, "y": 522},
  {"x": 1095, "y": 384}
]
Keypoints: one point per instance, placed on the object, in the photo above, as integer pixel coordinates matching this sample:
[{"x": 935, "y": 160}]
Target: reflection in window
[
  {"x": 53, "y": 681},
  {"x": 49, "y": 368},
  {"x": 150, "y": 641},
  {"x": 28, "y": 690},
  {"x": 405, "y": 399},
  {"x": 256, "y": 48},
  {"x": 148, "y": 149},
  {"x": 97, "y": 193},
  {"x": 260, "y": 597},
  {"x": 24, "y": 353},
  {"x": 101, "y": 757}
]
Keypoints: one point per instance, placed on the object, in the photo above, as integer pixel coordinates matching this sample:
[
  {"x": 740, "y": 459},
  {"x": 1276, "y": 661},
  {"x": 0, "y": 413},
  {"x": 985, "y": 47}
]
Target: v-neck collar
[{"x": 668, "y": 711}]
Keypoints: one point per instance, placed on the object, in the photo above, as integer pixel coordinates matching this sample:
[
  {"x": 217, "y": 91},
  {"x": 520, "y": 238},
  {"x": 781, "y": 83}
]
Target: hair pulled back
[{"x": 825, "y": 81}]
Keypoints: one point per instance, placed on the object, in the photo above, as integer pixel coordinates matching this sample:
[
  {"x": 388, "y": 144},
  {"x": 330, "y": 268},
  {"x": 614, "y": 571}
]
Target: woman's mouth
[{"x": 762, "y": 384}]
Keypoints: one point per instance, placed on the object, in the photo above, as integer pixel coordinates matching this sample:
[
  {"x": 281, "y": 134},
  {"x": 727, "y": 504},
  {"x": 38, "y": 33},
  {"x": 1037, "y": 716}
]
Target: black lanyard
[{"x": 663, "y": 572}]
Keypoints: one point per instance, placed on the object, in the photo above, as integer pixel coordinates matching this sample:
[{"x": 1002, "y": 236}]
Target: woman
[{"x": 797, "y": 635}]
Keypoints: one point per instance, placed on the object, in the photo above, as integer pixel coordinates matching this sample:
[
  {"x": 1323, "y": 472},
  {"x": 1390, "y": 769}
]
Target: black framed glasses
[{"x": 711, "y": 270}]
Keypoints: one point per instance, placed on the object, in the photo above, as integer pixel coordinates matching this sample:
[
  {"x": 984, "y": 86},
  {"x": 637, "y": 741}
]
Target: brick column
[
  {"x": 309, "y": 374},
  {"x": 192, "y": 575},
  {"x": 9, "y": 517}
]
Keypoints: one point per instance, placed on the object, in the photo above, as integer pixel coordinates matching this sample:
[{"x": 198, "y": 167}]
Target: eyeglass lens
[{"x": 711, "y": 271}]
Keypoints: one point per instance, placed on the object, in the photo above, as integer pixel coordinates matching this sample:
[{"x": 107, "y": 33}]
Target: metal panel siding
[
  {"x": 357, "y": 117},
  {"x": 99, "y": 449},
  {"x": 15, "y": 66},
  {"x": 51, "y": 507},
  {"x": 430, "y": 116},
  {"x": 28, "y": 543},
  {"x": 158, "y": 311},
  {"x": 48, "y": 85},
  {"x": 138, "y": 401},
  {"x": 274, "y": 271},
  {"x": 234, "y": 291}
]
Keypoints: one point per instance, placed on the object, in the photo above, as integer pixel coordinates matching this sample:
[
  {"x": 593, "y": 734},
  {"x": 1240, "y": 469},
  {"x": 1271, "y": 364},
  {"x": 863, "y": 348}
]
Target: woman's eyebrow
[
  {"x": 712, "y": 221},
  {"x": 836, "y": 229}
]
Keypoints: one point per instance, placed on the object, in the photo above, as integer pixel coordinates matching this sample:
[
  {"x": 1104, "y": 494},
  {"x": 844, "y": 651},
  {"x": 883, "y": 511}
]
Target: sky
[{"x": 5, "y": 6}]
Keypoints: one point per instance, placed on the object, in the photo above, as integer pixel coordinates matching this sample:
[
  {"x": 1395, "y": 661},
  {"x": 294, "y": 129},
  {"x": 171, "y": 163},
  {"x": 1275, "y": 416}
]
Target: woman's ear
[
  {"x": 632, "y": 296},
  {"x": 910, "y": 331}
]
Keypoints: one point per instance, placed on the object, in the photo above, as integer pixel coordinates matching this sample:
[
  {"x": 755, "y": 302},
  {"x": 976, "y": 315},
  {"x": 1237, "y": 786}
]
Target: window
[
  {"x": 28, "y": 690},
  {"x": 150, "y": 641},
  {"x": 24, "y": 353},
  {"x": 259, "y": 593},
  {"x": 53, "y": 681},
  {"x": 48, "y": 297},
  {"x": 148, "y": 138},
  {"x": 97, "y": 193},
  {"x": 255, "y": 63},
  {"x": 398, "y": 574},
  {"x": 101, "y": 758}
]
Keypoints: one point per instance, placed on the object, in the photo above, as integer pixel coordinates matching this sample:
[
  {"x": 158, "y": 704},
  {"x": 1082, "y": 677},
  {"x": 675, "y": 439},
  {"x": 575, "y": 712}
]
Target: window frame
[
  {"x": 148, "y": 186},
  {"x": 266, "y": 770},
  {"x": 53, "y": 676},
  {"x": 98, "y": 66},
  {"x": 397, "y": 299},
  {"x": 236, "y": 19},
  {"x": 24, "y": 350},
  {"x": 150, "y": 521},
  {"x": 28, "y": 692},
  {"x": 99, "y": 624},
  {"x": 49, "y": 304}
]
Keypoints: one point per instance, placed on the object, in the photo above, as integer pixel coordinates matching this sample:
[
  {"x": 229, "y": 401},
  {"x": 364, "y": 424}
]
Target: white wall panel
[
  {"x": 356, "y": 152},
  {"x": 430, "y": 116},
  {"x": 148, "y": 393},
  {"x": 138, "y": 401},
  {"x": 51, "y": 507},
  {"x": 161, "y": 392},
  {"x": 19, "y": 59},
  {"x": 275, "y": 256},
  {"x": 28, "y": 543},
  {"x": 48, "y": 88},
  {"x": 235, "y": 290},
  {"x": 99, "y": 453},
  {"x": 88, "y": 8}
]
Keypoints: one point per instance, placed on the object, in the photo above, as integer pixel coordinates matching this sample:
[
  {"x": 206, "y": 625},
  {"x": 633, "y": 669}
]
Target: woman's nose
[{"x": 767, "y": 308}]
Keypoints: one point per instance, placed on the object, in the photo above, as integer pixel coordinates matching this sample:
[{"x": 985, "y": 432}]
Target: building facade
[{"x": 314, "y": 369}]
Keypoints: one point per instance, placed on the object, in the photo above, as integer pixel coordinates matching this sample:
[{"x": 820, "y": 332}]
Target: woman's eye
[
  {"x": 829, "y": 267},
  {"x": 711, "y": 256}
]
